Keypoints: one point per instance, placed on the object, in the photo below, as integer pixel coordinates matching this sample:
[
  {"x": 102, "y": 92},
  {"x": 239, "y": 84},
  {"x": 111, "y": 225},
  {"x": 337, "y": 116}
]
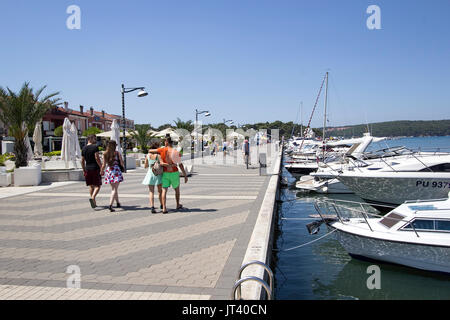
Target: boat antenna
[
  {"x": 301, "y": 117},
  {"x": 314, "y": 109},
  {"x": 325, "y": 114}
]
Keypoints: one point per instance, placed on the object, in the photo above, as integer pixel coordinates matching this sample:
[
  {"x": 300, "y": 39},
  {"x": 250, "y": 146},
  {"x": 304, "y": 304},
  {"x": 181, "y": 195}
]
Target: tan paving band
[
  {"x": 122, "y": 195},
  {"x": 10, "y": 292}
]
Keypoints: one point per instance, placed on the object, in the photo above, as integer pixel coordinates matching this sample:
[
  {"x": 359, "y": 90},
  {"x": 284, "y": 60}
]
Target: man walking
[
  {"x": 170, "y": 161},
  {"x": 246, "y": 150},
  {"x": 91, "y": 164}
]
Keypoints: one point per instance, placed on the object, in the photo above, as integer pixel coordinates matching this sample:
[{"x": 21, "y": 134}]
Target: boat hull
[
  {"x": 300, "y": 170},
  {"x": 418, "y": 256},
  {"x": 395, "y": 190},
  {"x": 331, "y": 186}
]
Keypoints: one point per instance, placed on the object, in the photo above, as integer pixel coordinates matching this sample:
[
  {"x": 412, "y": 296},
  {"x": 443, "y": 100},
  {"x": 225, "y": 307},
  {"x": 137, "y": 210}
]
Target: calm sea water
[{"x": 324, "y": 270}]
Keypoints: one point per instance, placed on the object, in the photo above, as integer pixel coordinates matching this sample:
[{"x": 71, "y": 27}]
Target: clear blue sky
[{"x": 247, "y": 60}]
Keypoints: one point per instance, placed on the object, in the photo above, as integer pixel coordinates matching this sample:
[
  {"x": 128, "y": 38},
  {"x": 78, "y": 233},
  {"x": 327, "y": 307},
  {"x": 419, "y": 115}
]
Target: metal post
[
  {"x": 194, "y": 148},
  {"x": 123, "y": 126},
  {"x": 364, "y": 216}
]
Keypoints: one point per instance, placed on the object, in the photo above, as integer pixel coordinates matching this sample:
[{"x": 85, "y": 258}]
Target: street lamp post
[
  {"x": 141, "y": 93},
  {"x": 197, "y": 113}
]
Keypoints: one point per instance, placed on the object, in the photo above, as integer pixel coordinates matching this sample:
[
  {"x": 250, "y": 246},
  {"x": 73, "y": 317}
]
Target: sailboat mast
[
  {"x": 325, "y": 113},
  {"x": 301, "y": 117}
]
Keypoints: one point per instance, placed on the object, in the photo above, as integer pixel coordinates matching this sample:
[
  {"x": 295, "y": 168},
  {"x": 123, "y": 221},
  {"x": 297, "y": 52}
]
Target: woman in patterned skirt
[
  {"x": 113, "y": 174},
  {"x": 151, "y": 180}
]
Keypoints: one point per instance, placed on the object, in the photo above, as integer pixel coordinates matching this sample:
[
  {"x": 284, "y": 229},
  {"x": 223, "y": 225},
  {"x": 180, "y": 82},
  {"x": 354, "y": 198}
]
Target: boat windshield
[
  {"x": 429, "y": 225},
  {"x": 442, "y": 167},
  {"x": 388, "y": 152}
]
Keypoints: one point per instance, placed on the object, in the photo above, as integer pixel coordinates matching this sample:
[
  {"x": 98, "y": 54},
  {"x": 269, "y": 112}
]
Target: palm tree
[
  {"x": 142, "y": 136},
  {"x": 20, "y": 112},
  {"x": 187, "y": 125}
]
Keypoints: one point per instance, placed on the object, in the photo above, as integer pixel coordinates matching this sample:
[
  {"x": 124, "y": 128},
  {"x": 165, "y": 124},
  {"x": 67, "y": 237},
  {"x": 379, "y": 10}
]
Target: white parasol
[
  {"x": 37, "y": 138},
  {"x": 235, "y": 135},
  {"x": 75, "y": 141},
  {"x": 109, "y": 134},
  {"x": 115, "y": 134},
  {"x": 173, "y": 134},
  {"x": 67, "y": 150}
]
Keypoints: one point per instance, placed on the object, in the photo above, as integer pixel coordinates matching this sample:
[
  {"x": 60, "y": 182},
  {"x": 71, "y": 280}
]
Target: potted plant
[{"x": 20, "y": 112}]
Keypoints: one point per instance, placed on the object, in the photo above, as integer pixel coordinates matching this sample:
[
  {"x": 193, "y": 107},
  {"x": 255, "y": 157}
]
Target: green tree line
[
  {"x": 395, "y": 129},
  {"x": 382, "y": 129}
]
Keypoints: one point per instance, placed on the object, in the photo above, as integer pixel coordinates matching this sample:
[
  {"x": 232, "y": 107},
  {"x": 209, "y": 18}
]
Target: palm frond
[{"x": 25, "y": 107}]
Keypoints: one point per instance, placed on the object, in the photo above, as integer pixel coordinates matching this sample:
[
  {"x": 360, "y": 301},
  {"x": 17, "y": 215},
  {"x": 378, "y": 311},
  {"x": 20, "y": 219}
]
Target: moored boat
[{"x": 415, "y": 234}]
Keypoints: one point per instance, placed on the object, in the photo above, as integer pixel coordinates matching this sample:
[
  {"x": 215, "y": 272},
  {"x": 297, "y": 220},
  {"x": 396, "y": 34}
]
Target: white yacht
[
  {"x": 310, "y": 159},
  {"x": 323, "y": 180},
  {"x": 393, "y": 181},
  {"x": 415, "y": 234}
]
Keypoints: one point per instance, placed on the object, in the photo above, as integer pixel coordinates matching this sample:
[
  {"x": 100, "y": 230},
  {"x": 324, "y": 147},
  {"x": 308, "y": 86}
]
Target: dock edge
[{"x": 261, "y": 242}]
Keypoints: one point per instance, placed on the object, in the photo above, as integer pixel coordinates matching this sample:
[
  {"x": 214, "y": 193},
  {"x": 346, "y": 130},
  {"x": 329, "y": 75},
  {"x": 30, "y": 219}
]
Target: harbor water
[{"x": 324, "y": 270}]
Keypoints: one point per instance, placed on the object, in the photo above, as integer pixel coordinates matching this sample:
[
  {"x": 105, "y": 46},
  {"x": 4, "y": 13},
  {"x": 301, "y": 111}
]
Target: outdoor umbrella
[
  {"x": 115, "y": 134},
  {"x": 75, "y": 141},
  {"x": 37, "y": 138},
  {"x": 236, "y": 135},
  {"x": 169, "y": 131},
  {"x": 67, "y": 150},
  {"x": 109, "y": 134}
]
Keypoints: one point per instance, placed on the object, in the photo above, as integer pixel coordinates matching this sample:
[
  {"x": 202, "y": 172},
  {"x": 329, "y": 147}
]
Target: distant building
[{"x": 83, "y": 119}]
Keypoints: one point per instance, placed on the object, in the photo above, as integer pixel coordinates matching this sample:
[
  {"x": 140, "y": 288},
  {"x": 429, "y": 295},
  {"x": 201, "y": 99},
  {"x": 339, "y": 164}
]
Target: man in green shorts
[{"x": 170, "y": 161}]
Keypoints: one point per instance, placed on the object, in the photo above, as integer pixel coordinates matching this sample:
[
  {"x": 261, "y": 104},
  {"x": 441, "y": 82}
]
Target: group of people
[{"x": 112, "y": 167}]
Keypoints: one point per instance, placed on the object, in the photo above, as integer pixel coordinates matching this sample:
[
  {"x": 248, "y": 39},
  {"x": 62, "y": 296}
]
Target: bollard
[{"x": 262, "y": 164}]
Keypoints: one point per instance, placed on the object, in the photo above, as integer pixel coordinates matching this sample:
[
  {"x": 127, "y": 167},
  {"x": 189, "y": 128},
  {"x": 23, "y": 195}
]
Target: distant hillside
[{"x": 395, "y": 129}]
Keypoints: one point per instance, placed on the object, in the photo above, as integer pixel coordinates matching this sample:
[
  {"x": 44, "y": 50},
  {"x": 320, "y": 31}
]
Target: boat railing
[
  {"x": 403, "y": 151},
  {"x": 427, "y": 200},
  {"x": 385, "y": 162},
  {"x": 415, "y": 154},
  {"x": 435, "y": 151},
  {"x": 357, "y": 163},
  {"x": 344, "y": 210}
]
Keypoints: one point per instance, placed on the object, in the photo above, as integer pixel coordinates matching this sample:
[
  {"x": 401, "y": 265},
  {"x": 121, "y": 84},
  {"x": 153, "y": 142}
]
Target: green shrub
[
  {"x": 5, "y": 157},
  {"x": 59, "y": 131},
  {"x": 91, "y": 130},
  {"x": 52, "y": 154}
]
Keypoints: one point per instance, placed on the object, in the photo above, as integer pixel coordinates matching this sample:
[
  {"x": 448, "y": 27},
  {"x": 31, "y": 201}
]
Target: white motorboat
[
  {"x": 394, "y": 181},
  {"x": 415, "y": 234},
  {"x": 325, "y": 181},
  {"x": 312, "y": 184},
  {"x": 301, "y": 168},
  {"x": 333, "y": 154}
]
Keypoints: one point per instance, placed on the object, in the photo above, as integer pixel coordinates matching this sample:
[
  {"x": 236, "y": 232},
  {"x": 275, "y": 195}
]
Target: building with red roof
[{"x": 83, "y": 119}]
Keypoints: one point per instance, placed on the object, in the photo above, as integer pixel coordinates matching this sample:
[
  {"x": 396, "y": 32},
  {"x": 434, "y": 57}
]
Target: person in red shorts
[{"x": 91, "y": 164}]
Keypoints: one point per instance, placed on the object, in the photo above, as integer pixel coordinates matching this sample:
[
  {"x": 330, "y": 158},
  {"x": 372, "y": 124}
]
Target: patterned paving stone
[{"x": 130, "y": 254}]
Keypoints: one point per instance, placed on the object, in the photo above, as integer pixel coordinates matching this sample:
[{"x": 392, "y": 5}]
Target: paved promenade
[{"x": 131, "y": 254}]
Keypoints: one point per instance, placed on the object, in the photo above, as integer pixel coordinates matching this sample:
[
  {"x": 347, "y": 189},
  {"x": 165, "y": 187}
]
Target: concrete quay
[{"x": 51, "y": 233}]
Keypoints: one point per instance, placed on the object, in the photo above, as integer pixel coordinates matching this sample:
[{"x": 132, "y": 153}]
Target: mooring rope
[{"x": 305, "y": 244}]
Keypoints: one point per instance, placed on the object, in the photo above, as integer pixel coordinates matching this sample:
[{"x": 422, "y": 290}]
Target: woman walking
[
  {"x": 113, "y": 175},
  {"x": 151, "y": 180}
]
